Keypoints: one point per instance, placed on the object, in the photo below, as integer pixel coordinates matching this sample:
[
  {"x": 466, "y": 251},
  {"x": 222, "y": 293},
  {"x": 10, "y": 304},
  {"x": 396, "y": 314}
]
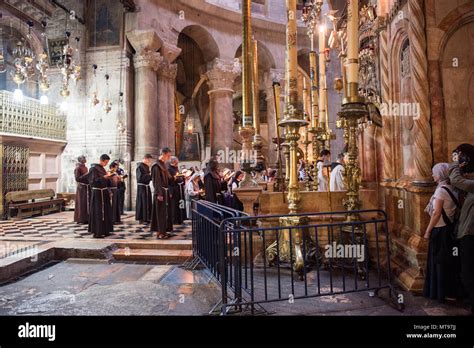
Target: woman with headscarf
[
  {"x": 441, "y": 281},
  {"x": 235, "y": 183},
  {"x": 192, "y": 192}
]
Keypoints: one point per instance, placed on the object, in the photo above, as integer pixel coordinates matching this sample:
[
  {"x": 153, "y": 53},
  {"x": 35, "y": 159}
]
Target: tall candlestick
[
  {"x": 255, "y": 89},
  {"x": 352, "y": 47},
  {"x": 292, "y": 58},
  {"x": 246, "y": 64}
]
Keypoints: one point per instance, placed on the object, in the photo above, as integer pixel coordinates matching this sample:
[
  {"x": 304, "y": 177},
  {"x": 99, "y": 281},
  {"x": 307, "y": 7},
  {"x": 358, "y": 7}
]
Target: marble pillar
[
  {"x": 420, "y": 90},
  {"x": 166, "y": 105},
  {"x": 221, "y": 75},
  {"x": 167, "y": 73},
  {"x": 146, "y": 104}
]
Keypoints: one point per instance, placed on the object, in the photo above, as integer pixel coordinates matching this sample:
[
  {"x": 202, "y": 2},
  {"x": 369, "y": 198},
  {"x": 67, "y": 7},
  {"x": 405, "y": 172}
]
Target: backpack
[{"x": 452, "y": 225}]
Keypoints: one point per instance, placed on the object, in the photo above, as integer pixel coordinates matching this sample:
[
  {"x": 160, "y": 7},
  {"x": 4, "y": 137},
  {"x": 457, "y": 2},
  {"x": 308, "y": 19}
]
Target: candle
[
  {"x": 353, "y": 41},
  {"x": 322, "y": 77},
  {"x": 314, "y": 90}
]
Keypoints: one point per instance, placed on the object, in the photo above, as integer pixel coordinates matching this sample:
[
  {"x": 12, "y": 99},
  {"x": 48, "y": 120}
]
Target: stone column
[
  {"x": 166, "y": 105},
  {"x": 146, "y": 104},
  {"x": 423, "y": 158},
  {"x": 388, "y": 170},
  {"x": 146, "y": 62},
  {"x": 221, "y": 75},
  {"x": 167, "y": 72}
]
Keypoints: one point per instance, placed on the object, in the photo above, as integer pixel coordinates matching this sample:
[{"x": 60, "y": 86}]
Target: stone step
[
  {"x": 161, "y": 256},
  {"x": 158, "y": 244}
]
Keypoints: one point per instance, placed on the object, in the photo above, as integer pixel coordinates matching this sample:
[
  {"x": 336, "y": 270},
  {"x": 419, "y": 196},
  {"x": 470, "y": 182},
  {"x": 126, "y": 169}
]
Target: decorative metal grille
[
  {"x": 14, "y": 169},
  {"x": 29, "y": 117}
]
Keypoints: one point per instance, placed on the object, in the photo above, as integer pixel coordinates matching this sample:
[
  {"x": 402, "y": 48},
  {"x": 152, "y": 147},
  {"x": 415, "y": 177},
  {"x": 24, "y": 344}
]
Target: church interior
[{"x": 323, "y": 113}]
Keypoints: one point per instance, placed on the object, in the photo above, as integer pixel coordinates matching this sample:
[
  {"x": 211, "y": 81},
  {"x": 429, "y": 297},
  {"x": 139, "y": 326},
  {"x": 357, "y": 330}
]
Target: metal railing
[
  {"x": 30, "y": 118},
  {"x": 257, "y": 260}
]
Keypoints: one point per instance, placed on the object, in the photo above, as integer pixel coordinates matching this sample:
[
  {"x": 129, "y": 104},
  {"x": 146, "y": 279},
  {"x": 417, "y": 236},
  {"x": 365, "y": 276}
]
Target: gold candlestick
[
  {"x": 293, "y": 120},
  {"x": 246, "y": 131},
  {"x": 257, "y": 139}
]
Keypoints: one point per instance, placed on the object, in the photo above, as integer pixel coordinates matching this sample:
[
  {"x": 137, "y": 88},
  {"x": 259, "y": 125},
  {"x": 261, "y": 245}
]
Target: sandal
[{"x": 163, "y": 236}]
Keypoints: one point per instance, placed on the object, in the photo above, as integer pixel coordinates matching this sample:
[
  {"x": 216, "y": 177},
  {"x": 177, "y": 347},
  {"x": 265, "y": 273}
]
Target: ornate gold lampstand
[
  {"x": 290, "y": 244},
  {"x": 247, "y": 131}
]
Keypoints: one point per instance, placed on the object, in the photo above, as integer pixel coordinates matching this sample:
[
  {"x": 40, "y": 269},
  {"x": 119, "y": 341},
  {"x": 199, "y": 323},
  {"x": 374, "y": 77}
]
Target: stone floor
[
  {"x": 83, "y": 284},
  {"x": 97, "y": 287},
  {"x": 61, "y": 225}
]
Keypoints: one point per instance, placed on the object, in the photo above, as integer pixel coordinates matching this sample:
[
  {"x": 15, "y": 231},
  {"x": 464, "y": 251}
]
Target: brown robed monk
[
  {"x": 161, "y": 217},
  {"x": 144, "y": 201},
  {"x": 100, "y": 220},
  {"x": 82, "y": 200}
]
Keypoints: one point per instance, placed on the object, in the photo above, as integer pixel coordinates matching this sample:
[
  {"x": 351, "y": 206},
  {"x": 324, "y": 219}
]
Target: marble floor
[{"x": 61, "y": 225}]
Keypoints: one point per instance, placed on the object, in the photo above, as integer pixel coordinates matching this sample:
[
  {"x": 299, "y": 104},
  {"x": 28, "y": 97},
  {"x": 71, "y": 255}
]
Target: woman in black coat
[{"x": 214, "y": 183}]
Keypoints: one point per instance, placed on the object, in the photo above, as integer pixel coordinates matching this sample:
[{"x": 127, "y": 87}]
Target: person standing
[
  {"x": 144, "y": 201},
  {"x": 192, "y": 193},
  {"x": 214, "y": 184},
  {"x": 100, "y": 221},
  {"x": 82, "y": 201},
  {"x": 115, "y": 180},
  {"x": 122, "y": 187},
  {"x": 161, "y": 217},
  {"x": 442, "y": 270},
  {"x": 177, "y": 196},
  {"x": 462, "y": 178},
  {"x": 337, "y": 181},
  {"x": 323, "y": 169},
  {"x": 234, "y": 184}
]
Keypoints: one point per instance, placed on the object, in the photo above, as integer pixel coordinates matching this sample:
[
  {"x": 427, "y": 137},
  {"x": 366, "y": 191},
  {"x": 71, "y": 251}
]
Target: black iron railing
[{"x": 259, "y": 260}]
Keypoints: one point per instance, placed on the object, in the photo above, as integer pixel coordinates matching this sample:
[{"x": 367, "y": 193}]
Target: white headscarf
[{"x": 441, "y": 170}]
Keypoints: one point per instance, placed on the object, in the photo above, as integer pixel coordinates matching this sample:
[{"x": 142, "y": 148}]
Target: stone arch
[
  {"x": 20, "y": 26},
  {"x": 204, "y": 40},
  {"x": 266, "y": 61},
  {"x": 457, "y": 85}
]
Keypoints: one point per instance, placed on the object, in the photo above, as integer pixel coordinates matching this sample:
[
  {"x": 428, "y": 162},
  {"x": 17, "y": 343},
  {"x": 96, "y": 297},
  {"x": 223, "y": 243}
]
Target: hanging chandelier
[
  {"x": 23, "y": 58},
  {"x": 43, "y": 67},
  {"x": 68, "y": 67},
  {"x": 311, "y": 14}
]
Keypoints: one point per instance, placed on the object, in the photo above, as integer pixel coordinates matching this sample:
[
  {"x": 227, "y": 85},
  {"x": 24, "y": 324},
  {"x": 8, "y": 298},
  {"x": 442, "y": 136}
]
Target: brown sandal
[{"x": 163, "y": 236}]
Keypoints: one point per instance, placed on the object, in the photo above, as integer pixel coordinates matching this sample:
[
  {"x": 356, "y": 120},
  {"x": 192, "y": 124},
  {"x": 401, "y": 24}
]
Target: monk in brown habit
[
  {"x": 82, "y": 201},
  {"x": 161, "y": 217},
  {"x": 100, "y": 221},
  {"x": 115, "y": 181},
  {"x": 143, "y": 206}
]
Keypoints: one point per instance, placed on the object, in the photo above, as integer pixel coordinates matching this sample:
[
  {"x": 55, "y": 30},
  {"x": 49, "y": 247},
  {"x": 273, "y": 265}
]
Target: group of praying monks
[{"x": 100, "y": 194}]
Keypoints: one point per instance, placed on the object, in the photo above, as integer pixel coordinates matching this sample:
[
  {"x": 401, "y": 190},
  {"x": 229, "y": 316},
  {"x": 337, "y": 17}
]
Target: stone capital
[
  {"x": 147, "y": 59},
  {"x": 167, "y": 71},
  {"x": 144, "y": 40},
  {"x": 221, "y": 74},
  {"x": 170, "y": 52}
]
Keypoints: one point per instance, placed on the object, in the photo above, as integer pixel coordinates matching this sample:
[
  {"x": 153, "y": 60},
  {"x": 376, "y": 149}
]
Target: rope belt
[{"x": 102, "y": 195}]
